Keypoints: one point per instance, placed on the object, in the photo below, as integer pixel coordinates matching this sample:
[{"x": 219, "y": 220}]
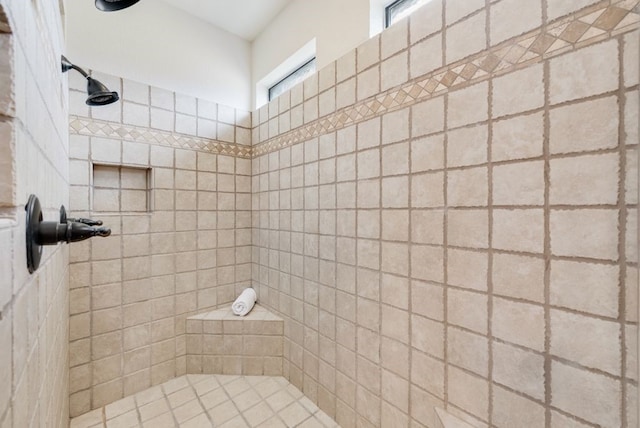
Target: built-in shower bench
[{"x": 219, "y": 342}]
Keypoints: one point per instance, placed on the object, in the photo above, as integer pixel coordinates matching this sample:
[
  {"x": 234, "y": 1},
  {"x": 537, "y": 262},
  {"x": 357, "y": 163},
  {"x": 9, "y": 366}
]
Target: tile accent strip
[
  {"x": 96, "y": 128},
  {"x": 594, "y": 24}
]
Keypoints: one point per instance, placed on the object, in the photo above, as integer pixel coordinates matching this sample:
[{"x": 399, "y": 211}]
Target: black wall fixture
[
  {"x": 98, "y": 94},
  {"x": 113, "y": 5},
  {"x": 67, "y": 230}
]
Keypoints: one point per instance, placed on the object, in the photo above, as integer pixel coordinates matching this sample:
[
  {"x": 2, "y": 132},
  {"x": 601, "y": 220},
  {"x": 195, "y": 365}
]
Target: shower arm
[{"x": 67, "y": 65}]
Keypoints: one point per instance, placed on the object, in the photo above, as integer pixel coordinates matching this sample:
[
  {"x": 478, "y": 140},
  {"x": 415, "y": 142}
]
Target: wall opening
[{"x": 121, "y": 189}]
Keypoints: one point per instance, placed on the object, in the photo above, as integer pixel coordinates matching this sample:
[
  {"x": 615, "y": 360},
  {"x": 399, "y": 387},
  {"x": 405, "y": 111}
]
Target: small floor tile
[{"x": 203, "y": 401}]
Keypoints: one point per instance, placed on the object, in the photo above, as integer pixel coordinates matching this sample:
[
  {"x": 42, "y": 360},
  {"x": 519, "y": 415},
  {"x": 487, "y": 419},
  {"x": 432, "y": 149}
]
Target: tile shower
[
  {"x": 152, "y": 168},
  {"x": 445, "y": 217}
]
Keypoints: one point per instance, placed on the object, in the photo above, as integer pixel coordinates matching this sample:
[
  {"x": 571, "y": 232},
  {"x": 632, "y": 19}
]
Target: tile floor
[{"x": 201, "y": 401}]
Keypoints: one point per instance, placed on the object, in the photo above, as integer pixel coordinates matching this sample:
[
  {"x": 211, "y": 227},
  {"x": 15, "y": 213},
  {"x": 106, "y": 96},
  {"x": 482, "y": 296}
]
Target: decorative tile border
[
  {"x": 599, "y": 22},
  {"x": 594, "y": 24},
  {"x": 96, "y": 128}
]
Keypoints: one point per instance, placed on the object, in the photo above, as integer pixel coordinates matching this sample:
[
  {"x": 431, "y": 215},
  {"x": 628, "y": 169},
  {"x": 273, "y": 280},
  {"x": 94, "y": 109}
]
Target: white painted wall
[
  {"x": 155, "y": 43},
  {"x": 337, "y": 26}
]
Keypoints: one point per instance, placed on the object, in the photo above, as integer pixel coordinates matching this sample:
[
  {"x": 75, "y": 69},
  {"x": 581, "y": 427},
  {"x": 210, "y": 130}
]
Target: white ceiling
[{"x": 244, "y": 18}]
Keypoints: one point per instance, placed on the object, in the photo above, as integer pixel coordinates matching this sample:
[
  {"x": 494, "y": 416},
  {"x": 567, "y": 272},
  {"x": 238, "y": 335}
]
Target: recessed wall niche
[{"x": 118, "y": 188}]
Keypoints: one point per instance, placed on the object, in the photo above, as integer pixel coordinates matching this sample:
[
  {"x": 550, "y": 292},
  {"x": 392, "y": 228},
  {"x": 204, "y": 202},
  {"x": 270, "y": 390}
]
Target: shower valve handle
[
  {"x": 87, "y": 221},
  {"x": 77, "y": 231},
  {"x": 40, "y": 232},
  {"x": 50, "y": 232}
]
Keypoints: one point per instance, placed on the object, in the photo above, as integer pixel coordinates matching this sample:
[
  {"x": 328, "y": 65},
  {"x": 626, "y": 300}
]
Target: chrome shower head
[
  {"x": 113, "y": 5},
  {"x": 98, "y": 94}
]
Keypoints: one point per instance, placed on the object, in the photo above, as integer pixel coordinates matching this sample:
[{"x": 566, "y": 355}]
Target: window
[
  {"x": 401, "y": 9},
  {"x": 297, "y": 76}
]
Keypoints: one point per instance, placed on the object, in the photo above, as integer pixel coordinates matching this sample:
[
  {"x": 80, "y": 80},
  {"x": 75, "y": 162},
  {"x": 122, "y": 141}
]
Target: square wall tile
[
  {"x": 425, "y": 56},
  {"x": 510, "y": 18},
  {"x": 425, "y": 21},
  {"x": 468, "y": 351},
  {"x": 574, "y": 391},
  {"x": 135, "y": 91},
  {"x": 468, "y": 310},
  {"x": 468, "y": 228},
  {"x": 466, "y": 37},
  {"x": 467, "y": 269},
  {"x": 519, "y": 230},
  {"x": 511, "y": 409},
  {"x": 394, "y": 39},
  {"x": 584, "y": 126},
  {"x": 590, "y": 342},
  {"x": 520, "y": 277},
  {"x": 427, "y": 190},
  {"x": 394, "y": 71},
  {"x": 518, "y": 138},
  {"x": 505, "y": 86},
  {"x": 427, "y": 153},
  {"x": 467, "y": 146},
  {"x": 135, "y": 114},
  {"x": 469, "y": 105},
  {"x": 468, "y": 187},
  {"x": 519, "y": 184},
  {"x": 518, "y": 369},
  {"x": 469, "y": 392},
  {"x": 599, "y": 68},
  {"x": 519, "y": 323},
  {"x": 589, "y": 233},
  {"x": 162, "y": 98},
  {"x": 585, "y": 180},
  {"x": 368, "y": 53},
  {"x": 427, "y": 117}
]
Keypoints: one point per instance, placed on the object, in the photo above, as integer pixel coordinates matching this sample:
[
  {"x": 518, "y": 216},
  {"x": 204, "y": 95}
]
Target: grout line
[
  {"x": 409, "y": 303},
  {"x": 547, "y": 248},
  {"x": 168, "y": 403},
  {"x": 445, "y": 253},
  {"x": 490, "y": 207},
  {"x": 380, "y": 366},
  {"x": 622, "y": 229}
]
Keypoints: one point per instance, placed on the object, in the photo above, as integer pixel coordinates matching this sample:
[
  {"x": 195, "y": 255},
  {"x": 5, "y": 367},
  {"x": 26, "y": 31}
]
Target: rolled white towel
[{"x": 244, "y": 303}]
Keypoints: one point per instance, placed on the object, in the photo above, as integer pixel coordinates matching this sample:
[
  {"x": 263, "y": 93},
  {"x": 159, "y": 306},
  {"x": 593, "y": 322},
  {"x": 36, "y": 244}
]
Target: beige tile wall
[
  {"x": 469, "y": 240},
  {"x": 131, "y": 293},
  {"x": 34, "y": 149}
]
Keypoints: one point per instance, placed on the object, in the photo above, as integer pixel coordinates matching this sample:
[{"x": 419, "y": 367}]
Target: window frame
[
  {"x": 306, "y": 63},
  {"x": 387, "y": 12}
]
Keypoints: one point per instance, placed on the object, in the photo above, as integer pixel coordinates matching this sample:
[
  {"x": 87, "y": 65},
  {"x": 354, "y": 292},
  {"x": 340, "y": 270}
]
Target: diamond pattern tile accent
[
  {"x": 604, "y": 18},
  {"x": 85, "y": 126},
  {"x": 607, "y": 18}
]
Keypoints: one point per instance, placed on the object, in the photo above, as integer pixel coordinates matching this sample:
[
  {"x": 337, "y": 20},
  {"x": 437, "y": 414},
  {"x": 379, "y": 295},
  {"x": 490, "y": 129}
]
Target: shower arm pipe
[{"x": 67, "y": 65}]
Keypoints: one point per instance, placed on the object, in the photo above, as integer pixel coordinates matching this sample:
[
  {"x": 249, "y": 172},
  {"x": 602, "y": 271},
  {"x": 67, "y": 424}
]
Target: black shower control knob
[
  {"x": 77, "y": 231},
  {"x": 87, "y": 221},
  {"x": 39, "y": 232},
  {"x": 50, "y": 233}
]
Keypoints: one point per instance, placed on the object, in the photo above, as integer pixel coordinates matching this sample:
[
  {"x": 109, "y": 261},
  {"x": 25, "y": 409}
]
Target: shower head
[
  {"x": 98, "y": 94},
  {"x": 113, "y": 5}
]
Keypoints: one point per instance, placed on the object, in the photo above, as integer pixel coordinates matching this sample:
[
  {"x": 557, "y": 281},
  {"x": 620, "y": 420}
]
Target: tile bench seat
[{"x": 219, "y": 342}]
